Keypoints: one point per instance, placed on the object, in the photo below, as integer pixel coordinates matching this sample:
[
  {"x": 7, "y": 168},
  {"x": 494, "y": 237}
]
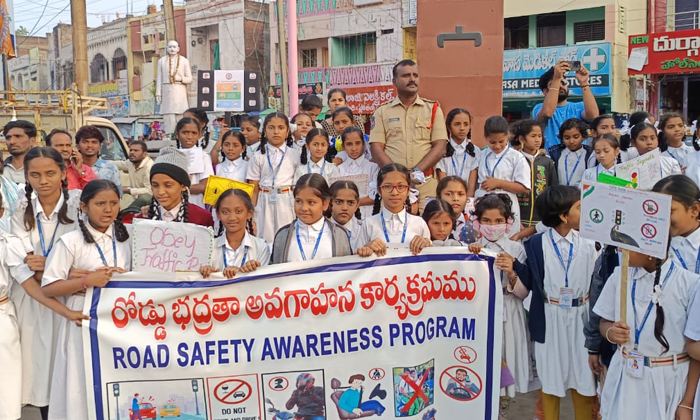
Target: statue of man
[{"x": 174, "y": 74}]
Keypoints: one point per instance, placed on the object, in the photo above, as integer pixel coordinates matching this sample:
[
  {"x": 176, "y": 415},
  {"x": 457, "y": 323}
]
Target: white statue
[{"x": 174, "y": 74}]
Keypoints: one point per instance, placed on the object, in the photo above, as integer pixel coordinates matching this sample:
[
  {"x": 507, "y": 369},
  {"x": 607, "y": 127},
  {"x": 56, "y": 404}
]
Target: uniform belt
[
  {"x": 281, "y": 190},
  {"x": 4, "y": 300},
  {"x": 662, "y": 361},
  {"x": 580, "y": 301}
]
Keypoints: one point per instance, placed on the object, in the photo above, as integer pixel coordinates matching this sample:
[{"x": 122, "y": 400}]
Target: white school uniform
[
  {"x": 572, "y": 165},
  {"x": 509, "y": 165},
  {"x": 39, "y": 324},
  {"x": 353, "y": 227},
  {"x": 686, "y": 251},
  {"x": 12, "y": 267},
  {"x": 309, "y": 235},
  {"x": 251, "y": 150},
  {"x": 591, "y": 174},
  {"x": 169, "y": 215},
  {"x": 251, "y": 249},
  {"x": 372, "y": 228},
  {"x": 461, "y": 163},
  {"x": 692, "y": 171},
  {"x": 680, "y": 154},
  {"x": 628, "y": 154},
  {"x": 562, "y": 360},
  {"x": 271, "y": 216},
  {"x": 198, "y": 199},
  {"x": 692, "y": 332},
  {"x": 516, "y": 340},
  {"x": 669, "y": 166},
  {"x": 68, "y": 391},
  {"x": 235, "y": 170},
  {"x": 658, "y": 392},
  {"x": 362, "y": 166},
  {"x": 326, "y": 169}
]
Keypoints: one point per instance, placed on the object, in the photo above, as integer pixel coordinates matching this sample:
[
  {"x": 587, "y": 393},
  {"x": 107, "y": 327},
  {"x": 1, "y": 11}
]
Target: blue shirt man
[{"x": 135, "y": 408}]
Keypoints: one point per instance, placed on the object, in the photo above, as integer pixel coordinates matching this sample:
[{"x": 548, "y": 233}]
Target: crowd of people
[{"x": 325, "y": 190}]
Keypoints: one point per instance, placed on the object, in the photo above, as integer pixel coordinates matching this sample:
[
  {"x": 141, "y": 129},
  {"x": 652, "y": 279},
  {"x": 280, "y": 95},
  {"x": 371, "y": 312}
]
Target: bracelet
[
  {"x": 585, "y": 86},
  {"x": 685, "y": 406},
  {"x": 608, "y": 338},
  {"x": 82, "y": 280}
]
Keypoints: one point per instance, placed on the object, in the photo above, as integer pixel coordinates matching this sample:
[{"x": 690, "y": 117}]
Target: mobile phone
[{"x": 575, "y": 66}]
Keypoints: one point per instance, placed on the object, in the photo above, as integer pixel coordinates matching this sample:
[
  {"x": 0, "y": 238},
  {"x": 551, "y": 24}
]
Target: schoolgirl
[
  {"x": 271, "y": 171},
  {"x": 602, "y": 124},
  {"x": 357, "y": 165},
  {"x": 345, "y": 208},
  {"x": 461, "y": 157},
  {"x": 453, "y": 190},
  {"x": 628, "y": 152},
  {"x": 392, "y": 223},
  {"x": 235, "y": 248},
  {"x": 302, "y": 124},
  {"x": 315, "y": 156},
  {"x": 441, "y": 220},
  {"x": 645, "y": 139},
  {"x": 310, "y": 236},
  {"x": 671, "y": 139},
  {"x": 572, "y": 157},
  {"x": 342, "y": 120},
  {"x": 234, "y": 164},
  {"x": 171, "y": 198},
  {"x": 607, "y": 153},
  {"x": 81, "y": 259},
  {"x": 250, "y": 127},
  {"x": 199, "y": 167}
]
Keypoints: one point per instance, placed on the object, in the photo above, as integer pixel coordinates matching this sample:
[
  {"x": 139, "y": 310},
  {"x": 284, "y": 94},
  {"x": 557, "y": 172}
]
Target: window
[
  {"x": 309, "y": 58},
  {"x": 589, "y": 31},
  {"x": 371, "y": 52},
  {"x": 551, "y": 30},
  {"x": 517, "y": 33},
  {"x": 357, "y": 49},
  {"x": 324, "y": 55},
  {"x": 99, "y": 69}
]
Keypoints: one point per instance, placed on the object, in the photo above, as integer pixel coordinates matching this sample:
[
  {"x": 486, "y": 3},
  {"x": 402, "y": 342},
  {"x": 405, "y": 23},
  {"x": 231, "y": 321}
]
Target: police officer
[{"x": 410, "y": 130}]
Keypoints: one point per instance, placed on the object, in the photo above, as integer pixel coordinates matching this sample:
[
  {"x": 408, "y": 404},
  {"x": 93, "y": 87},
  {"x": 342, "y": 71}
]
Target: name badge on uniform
[
  {"x": 273, "y": 197},
  {"x": 505, "y": 313},
  {"x": 634, "y": 364},
  {"x": 394, "y": 119},
  {"x": 566, "y": 297}
]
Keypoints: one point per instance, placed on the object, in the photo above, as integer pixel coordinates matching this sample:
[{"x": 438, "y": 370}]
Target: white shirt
[
  {"x": 12, "y": 265},
  {"x": 692, "y": 171},
  {"x": 514, "y": 249},
  {"x": 669, "y": 166},
  {"x": 680, "y": 154},
  {"x": 591, "y": 174},
  {"x": 582, "y": 261},
  {"x": 460, "y": 163},
  {"x": 353, "y": 226},
  {"x": 235, "y": 170},
  {"x": 326, "y": 169},
  {"x": 688, "y": 248},
  {"x": 394, "y": 222},
  {"x": 362, "y": 166},
  {"x": 251, "y": 150},
  {"x": 259, "y": 167},
  {"x": 571, "y": 166},
  {"x": 309, "y": 235},
  {"x": 254, "y": 249},
  {"x": 509, "y": 165},
  {"x": 169, "y": 215},
  {"x": 49, "y": 223},
  {"x": 198, "y": 199}
]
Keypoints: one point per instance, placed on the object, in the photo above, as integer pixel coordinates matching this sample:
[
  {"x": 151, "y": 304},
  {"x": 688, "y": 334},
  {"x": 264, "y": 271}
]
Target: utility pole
[
  {"x": 281, "y": 30},
  {"x": 293, "y": 59},
  {"x": 78, "y": 15},
  {"x": 169, "y": 16}
]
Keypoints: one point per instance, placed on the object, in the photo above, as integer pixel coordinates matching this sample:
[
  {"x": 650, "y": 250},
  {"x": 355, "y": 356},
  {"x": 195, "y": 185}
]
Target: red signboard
[
  {"x": 666, "y": 52},
  {"x": 365, "y": 100}
]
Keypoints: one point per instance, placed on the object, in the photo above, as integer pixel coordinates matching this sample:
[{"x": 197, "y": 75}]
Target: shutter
[{"x": 589, "y": 31}]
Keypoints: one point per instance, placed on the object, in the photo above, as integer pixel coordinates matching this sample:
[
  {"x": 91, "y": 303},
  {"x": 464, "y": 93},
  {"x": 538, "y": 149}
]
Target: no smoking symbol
[
  {"x": 648, "y": 230},
  {"x": 232, "y": 391},
  {"x": 650, "y": 207}
]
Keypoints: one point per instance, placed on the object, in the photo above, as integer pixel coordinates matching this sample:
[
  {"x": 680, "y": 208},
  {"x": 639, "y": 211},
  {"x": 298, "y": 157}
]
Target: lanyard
[
  {"x": 682, "y": 261},
  {"x": 464, "y": 162},
  {"x": 245, "y": 255},
  {"x": 566, "y": 167},
  {"x": 275, "y": 171},
  {"x": 41, "y": 236},
  {"x": 114, "y": 249},
  {"x": 638, "y": 330},
  {"x": 323, "y": 168},
  {"x": 318, "y": 242},
  {"x": 561, "y": 260},
  {"x": 405, "y": 226},
  {"x": 486, "y": 161},
  {"x": 674, "y": 156}
]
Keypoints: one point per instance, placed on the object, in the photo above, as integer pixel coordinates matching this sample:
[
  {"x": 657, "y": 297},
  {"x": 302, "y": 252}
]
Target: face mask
[{"x": 493, "y": 232}]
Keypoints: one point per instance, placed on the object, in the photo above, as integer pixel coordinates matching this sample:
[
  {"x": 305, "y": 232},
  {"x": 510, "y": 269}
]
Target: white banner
[{"x": 400, "y": 336}]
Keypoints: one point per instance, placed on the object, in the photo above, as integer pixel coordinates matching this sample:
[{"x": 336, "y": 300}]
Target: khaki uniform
[{"x": 408, "y": 136}]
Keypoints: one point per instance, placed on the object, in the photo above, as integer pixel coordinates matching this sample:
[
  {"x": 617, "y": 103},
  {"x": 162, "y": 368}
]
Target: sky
[{"x": 40, "y": 16}]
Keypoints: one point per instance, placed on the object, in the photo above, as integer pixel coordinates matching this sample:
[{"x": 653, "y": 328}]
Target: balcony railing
[{"x": 683, "y": 20}]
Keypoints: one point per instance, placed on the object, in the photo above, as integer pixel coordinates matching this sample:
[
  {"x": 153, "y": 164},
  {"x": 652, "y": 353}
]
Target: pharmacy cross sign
[{"x": 594, "y": 59}]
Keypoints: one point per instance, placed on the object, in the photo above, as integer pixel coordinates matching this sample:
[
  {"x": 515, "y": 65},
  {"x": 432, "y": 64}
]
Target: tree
[{"x": 22, "y": 31}]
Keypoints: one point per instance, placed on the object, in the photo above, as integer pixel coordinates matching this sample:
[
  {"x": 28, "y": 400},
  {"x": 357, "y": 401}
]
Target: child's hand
[
  {"x": 619, "y": 333},
  {"x": 35, "y": 262},
  {"x": 504, "y": 262},
  {"x": 99, "y": 277},
  {"x": 76, "y": 316},
  {"x": 418, "y": 243},
  {"x": 683, "y": 413},
  {"x": 337, "y": 161},
  {"x": 250, "y": 266},
  {"x": 144, "y": 211},
  {"x": 230, "y": 272},
  {"x": 365, "y": 251},
  {"x": 206, "y": 271},
  {"x": 490, "y": 184},
  {"x": 119, "y": 270},
  {"x": 594, "y": 364},
  {"x": 378, "y": 246},
  {"x": 77, "y": 273},
  {"x": 475, "y": 247}
]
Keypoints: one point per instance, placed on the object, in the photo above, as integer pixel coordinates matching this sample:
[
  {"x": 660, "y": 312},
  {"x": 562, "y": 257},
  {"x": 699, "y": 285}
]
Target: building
[
  {"x": 61, "y": 73},
  {"x": 107, "y": 61},
  {"x": 540, "y": 33},
  {"x": 29, "y": 70}
]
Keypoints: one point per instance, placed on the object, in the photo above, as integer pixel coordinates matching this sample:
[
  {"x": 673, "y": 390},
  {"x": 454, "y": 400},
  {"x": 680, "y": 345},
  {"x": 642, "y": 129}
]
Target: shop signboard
[
  {"x": 665, "y": 52},
  {"x": 522, "y": 69}
]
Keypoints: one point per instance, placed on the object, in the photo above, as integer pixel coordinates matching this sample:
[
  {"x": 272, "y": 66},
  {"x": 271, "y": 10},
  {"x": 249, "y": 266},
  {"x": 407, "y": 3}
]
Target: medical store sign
[
  {"x": 522, "y": 69},
  {"x": 666, "y": 52}
]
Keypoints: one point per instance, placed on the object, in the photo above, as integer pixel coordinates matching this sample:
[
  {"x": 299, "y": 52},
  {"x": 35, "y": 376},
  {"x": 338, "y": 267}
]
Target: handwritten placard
[
  {"x": 170, "y": 247},
  {"x": 643, "y": 171},
  {"x": 361, "y": 180}
]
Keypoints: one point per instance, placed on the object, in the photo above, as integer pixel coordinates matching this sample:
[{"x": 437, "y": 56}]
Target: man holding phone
[
  {"x": 77, "y": 172},
  {"x": 555, "y": 109}
]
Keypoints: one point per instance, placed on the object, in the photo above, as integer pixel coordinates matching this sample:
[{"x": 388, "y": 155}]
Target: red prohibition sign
[
  {"x": 650, "y": 207},
  {"x": 648, "y": 230},
  {"x": 232, "y": 391}
]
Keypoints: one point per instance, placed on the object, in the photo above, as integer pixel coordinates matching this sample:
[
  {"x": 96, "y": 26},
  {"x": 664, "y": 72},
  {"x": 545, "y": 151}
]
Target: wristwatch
[{"x": 418, "y": 175}]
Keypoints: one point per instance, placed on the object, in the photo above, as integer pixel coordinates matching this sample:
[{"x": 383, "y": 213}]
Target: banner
[
  {"x": 665, "y": 52},
  {"x": 522, "y": 69},
  {"x": 397, "y": 337}
]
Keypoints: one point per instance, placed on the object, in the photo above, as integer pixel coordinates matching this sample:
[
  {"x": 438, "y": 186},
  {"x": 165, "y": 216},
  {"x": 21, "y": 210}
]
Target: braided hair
[
  {"x": 89, "y": 192},
  {"x": 313, "y": 133},
  {"x": 50, "y": 153},
  {"x": 201, "y": 116},
  {"x": 181, "y": 125},
  {"x": 247, "y": 202},
  {"x": 392, "y": 167},
  {"x": 663, "y": 140},
  {"x": 635, "y": 118},
  {"x": 660, "y": 315},
  {"x": 612, "y": 141},
  {"x": 450, "y": 151},
  {"x": 497, "y": 201},
  {"x": 183, "y": 213},
  {"x": 263, "y": 140},
  {"x": 238, "y": 136},
  {"x": 344, "y": 185}
]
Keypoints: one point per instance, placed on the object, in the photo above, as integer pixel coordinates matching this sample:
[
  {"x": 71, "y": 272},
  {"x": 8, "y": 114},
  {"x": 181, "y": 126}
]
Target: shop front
[{"x": 668, "y": 63}]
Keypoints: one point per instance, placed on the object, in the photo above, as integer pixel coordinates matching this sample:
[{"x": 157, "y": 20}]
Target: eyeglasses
[{"x": 387, "y": 188}]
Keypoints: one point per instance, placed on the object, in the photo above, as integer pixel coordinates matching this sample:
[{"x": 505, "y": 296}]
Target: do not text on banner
[{"x": 401, "y": 336}]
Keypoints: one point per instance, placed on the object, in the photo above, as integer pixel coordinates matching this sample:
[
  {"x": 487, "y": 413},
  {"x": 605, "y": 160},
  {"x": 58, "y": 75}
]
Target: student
[
  {"x": 45, "y": 213},
  {"x": 626, "y": 140},
  {"x": 202, "y": 118},
  {"x": 171, "y": 198},
  {"x": 645, "y": 139},
  {"x": 543, "y": 173},
  {"x": 392, "y": 224},
  {"x": 671, "y": 139},
  {"x": 303, "y": 125},
  {"x": 607, "y": 153},
  {"x": 234, "y": 164},
  {"x": 310, "y": 236},
  {"x": 187, "y": 132},
  {"x": 493, "y": 214},
  {"x": 315, "y": 156},
  {"x": 502, "y": 169},
  {"x": 343, "y": 119},
  {"x": 441, "y": 221},
  {"x": 453, "y": 190},
  {"x": 312, "y": 106},
  {"x": 357, "y": 164},
  {"x": 235, "y": 248},
  {"x": 558, "y": 274},
  {"x": 271, "y": 171},
  {"x": 461, "y": 158},
  {"x": 337, "y": 99},
  {"x": 647, "y": 377},
  {"x": 100, "y": 248},
  {"x": 250, "y": 127},
  {"x": 572, "y": 157},
  {"x": 602, "y": 124},
  {"x": 345, "y": 208}
]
